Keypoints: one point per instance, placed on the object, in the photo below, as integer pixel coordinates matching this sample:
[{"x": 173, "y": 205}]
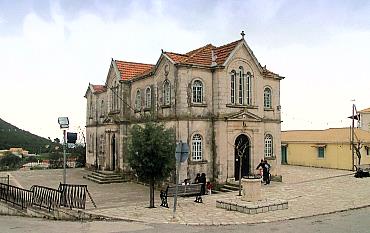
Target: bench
[
  {"x": 362, "y": 170},
  {"x": 183, "y": 190}
]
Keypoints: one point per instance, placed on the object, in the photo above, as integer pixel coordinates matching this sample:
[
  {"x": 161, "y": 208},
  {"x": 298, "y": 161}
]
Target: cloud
[{"x": 46, "y": 68}]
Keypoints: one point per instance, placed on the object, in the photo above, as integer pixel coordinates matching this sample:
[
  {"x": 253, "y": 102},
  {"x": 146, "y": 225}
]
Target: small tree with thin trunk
[{"x": 152, "y": 153}]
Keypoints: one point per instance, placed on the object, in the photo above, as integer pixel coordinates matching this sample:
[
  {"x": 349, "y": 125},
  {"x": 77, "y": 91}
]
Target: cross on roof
[{"x": 243, "y": 34}]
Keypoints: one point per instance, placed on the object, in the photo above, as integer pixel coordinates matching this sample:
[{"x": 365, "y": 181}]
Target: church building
[{"x": 218, "y": 99}]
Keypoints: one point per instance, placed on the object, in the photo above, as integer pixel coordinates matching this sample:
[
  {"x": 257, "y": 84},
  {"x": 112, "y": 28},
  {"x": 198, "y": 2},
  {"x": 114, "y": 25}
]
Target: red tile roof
[
  {"x": 178, "y": 58},
  {"x": 223, "y": 52},
  {"x": 129, "y": 70},
  {"x": 203, "y": 55},
  {"x": 99, "y": 88}
]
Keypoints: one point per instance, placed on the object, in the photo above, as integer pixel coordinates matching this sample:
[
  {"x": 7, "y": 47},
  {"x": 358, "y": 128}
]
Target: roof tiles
[
  {"x": 201, "y": 56},
  {"x": 99, "y": 88},
  {"x": 130, "y": 70}
]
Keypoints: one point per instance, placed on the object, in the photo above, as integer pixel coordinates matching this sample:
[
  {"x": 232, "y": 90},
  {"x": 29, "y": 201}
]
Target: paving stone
[{"x": 309, "y": 191}]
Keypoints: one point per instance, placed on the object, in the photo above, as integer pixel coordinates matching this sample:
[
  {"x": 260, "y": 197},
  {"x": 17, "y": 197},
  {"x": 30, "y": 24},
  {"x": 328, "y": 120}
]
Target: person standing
[
  {"x": 260, "y": 167},
  {"x": 266, "y": 172},
  {"x": 203, "y": 181},
  {"x": 196, "y": 180}
]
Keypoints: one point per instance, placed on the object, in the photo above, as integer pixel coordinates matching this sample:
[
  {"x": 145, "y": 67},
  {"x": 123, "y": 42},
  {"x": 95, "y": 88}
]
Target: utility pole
[
  {"x": 353, "y": 137},
  {"x": 64, "y": 156}
]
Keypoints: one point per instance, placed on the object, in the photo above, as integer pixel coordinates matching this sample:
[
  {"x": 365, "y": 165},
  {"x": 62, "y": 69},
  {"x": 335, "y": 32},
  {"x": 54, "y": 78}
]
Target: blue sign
[{"x": 182, "y": 152}]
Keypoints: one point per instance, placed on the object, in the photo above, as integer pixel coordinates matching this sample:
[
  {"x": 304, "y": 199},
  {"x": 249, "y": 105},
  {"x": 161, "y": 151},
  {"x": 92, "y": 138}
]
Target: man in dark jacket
[
  {"x": 203, "y": 181},
  {"x": 266, "y": 170}
]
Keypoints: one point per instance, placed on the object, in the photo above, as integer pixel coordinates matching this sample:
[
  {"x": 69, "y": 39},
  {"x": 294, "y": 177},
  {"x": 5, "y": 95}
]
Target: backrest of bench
[
  {"x": 184, "y": 190},
  {"x": 364, "y": 166}
]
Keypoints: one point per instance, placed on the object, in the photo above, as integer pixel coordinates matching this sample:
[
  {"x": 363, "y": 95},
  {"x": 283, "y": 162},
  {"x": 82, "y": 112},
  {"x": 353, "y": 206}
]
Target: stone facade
[{"x": 218, "y": 99}]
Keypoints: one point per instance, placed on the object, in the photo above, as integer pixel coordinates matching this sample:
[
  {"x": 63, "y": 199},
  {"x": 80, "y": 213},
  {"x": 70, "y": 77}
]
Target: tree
[
  {"x": 10, "y": 162},
  {"x": 79, "y": 151},
  {"x": 152, "y": 153}
]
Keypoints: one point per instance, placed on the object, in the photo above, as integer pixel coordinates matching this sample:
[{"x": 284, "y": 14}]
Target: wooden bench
[
  {"x": 362, "y": 170},
  {"x": 183, "y": 190}
]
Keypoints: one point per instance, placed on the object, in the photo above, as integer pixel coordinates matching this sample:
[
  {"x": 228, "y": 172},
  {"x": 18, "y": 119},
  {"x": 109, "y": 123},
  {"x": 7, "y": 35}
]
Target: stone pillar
[{"x": 251, "y": 189}]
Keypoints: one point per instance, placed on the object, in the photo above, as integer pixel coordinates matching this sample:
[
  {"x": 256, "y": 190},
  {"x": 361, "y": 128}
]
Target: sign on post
[{"x": 181, "y": 154}]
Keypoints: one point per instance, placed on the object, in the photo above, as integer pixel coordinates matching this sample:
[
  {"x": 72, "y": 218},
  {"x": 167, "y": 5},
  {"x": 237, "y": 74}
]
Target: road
[{"x": 356, "y": 221}]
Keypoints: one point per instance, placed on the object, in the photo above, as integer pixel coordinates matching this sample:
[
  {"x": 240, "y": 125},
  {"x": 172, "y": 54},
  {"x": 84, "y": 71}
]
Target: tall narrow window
[
  {"x": 91, "y": 108},
  {"x": 197, "y": 91},
  {"x": 138, "y": 100},
  {"x": 249, "y": 88},
  {"x": 197, "y": 148},
  {"x": 267, "y": 98},
  {"x": 321, "y": 152},
  {"x": 148, "y": 98},
  {"x": 166, "y": 93},
  {"x": 102, "y": 113},
  {"x": 241, "y": 85},
  {"x": 268, "y": 146},
  {"x": 232, "y": 87},
  {"x": 115, "y": 96}
]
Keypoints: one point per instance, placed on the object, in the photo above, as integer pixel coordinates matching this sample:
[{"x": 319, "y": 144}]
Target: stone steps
[
  {"x": 231, "y": 187},
  {"x": 105, "y": 177}
]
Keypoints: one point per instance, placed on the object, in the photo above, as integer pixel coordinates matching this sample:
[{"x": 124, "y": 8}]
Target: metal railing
[
  {"x": 15, "y": 195},
  {"x": 44, "y": 197},
  {"x": 67, "y": 195},
  {"x": 74, "y": 196},
  {"x": 4, "y": 179}
]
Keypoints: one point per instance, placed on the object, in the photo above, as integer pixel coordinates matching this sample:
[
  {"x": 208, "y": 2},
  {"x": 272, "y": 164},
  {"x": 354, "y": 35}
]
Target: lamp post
[{"x": 64, "y": 124}]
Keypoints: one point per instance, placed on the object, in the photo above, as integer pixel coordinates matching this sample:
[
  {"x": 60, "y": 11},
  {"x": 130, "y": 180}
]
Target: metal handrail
[
  {"x": 45, "y": 197},
  {"x": 15, "y": 195}
]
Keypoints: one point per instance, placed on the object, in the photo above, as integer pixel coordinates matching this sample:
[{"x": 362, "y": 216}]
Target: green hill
[{"x": 11, "y": 136}]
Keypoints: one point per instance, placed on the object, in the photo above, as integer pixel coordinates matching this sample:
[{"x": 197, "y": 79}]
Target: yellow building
[{"x": 328, "y": 148}]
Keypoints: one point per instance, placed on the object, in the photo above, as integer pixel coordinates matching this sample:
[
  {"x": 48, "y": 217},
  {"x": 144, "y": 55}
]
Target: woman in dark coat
[{"x": 203, "y": 181}]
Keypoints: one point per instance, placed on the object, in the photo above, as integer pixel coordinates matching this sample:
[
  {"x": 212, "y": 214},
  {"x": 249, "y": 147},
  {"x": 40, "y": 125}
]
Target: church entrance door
[{"x": 242, "y": 153}]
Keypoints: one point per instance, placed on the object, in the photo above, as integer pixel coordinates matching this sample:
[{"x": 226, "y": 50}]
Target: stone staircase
[
  {"x": 229, "y": 187},
  {"x": 105, "y": 177}
]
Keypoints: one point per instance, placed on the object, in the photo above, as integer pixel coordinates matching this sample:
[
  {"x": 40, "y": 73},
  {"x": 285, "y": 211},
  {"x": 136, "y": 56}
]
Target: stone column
[{"x": 251, "y": 189}]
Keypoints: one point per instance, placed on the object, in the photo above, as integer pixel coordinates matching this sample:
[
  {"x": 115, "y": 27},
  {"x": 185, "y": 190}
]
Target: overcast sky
[{"x": 51, "y": 50}]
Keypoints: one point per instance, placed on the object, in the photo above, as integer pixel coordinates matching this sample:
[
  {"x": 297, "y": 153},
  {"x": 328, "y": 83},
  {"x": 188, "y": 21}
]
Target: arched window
[
  {"x": 268, "y": 146},
  {"x": 196, "y": 143},
  {"x": 249, "y": 88},
  {"x": 148, "y": 98},
  {"x": 166, "y": 93},
  {"x": 102, "y": 108},
  {"x": 91, "y": 108},
  {"x": 241, "y": 85},
  {"x": 233, "y": 87},
  {"x": 138, "y": 100},
  {"x": 267, "y": 98},
  {"x": 197, "y": 91}
]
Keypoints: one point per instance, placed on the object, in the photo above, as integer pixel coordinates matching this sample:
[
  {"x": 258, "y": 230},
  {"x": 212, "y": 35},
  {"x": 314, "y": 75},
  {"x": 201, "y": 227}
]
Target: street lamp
[{"x": 64, "y": 124}]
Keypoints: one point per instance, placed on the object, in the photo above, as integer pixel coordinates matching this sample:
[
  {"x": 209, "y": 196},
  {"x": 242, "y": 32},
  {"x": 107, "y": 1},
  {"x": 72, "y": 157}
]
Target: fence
[
  {"x": 67, "y": 195},
  {"x": 74, "y": 196},
  {"x": 4, "y": 179},
  {"x": 17, "y": 196},
  {"x": 44, "y": 197}
]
